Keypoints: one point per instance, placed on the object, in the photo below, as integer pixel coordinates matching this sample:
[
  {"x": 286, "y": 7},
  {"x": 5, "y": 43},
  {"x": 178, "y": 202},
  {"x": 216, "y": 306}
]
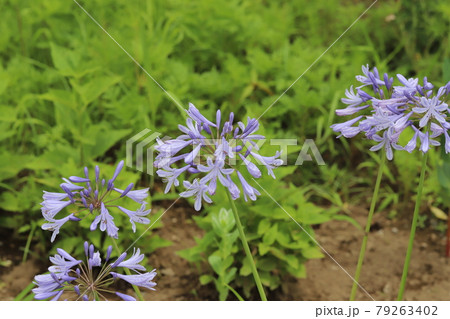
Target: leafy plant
[{"x": 280, "y": 247}]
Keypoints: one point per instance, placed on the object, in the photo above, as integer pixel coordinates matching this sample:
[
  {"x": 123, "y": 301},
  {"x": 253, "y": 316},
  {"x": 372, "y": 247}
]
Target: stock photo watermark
[{"x": 140, "y": 151}]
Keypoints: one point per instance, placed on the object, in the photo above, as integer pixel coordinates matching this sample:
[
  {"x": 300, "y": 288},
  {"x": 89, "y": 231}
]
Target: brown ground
[
  {"x": 178, "y": 280},
  {"x": 429, "y": 272}
]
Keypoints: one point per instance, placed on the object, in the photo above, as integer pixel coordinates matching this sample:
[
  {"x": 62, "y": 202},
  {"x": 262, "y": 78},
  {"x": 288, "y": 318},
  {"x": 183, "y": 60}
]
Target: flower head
[
  {"x": 93, "y": 198},
  {"x": 216, "y": 154},
  {"x": 137, "y": 216},
  {"x": 382, "y": 115},
  {"x": 90, "y": 280}
]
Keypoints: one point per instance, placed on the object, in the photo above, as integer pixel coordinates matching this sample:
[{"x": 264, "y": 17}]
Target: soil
[
  {"x": 14, "y": 275},
  {"x": 178, "y": 280},
  {"x": 428, "y": 276}
]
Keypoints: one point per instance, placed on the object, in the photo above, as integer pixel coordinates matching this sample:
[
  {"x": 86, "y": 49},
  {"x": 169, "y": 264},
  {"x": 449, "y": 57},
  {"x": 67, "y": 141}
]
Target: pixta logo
[{"x": 141, "y": 147}]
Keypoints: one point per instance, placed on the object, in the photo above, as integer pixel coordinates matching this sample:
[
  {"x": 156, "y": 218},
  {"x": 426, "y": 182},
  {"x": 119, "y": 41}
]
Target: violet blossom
[
  {"x": 215, "y": 152},
  {"x": 91, "y": 279},
  {"x": 386, "y": 112},
  {"x": 93, "y": 198}
]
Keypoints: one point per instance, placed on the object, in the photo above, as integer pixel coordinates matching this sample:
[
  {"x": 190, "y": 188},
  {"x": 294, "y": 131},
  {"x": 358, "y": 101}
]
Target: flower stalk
[
  {"x": 413, "y": 228},
  {"x": 262, "y": 294},
  {"x": 367, "y": 229}
]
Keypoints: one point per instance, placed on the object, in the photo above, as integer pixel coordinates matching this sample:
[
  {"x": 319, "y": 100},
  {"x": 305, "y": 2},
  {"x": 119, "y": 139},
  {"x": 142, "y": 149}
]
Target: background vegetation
[{"x": 70, "y": 97}]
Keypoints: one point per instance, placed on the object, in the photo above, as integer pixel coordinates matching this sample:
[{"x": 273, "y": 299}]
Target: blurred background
[{"x": 70, "y": 97}]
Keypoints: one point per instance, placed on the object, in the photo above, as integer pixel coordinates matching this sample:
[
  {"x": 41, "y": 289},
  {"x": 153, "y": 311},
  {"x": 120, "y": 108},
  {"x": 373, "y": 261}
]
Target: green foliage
[
  {"x": 25, "y": 294},
  {"x": 443, "y": 169},
  {"x": 69, "y": 97},
  {"x": 280, "y": 246}
]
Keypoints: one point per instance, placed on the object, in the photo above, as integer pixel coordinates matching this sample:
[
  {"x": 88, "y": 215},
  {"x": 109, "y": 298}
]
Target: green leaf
[
  {"x": 263, "y": 226},
  {"x": 190, "y": 254},
  {"x": 9, "y": 221},
  {"x": 263, "y": 248},
  {"x": 268, "y": 280},
  {"x": 227, "y": 262},
  {"x": 299, "y": 272},
  {"x": 10, "y": 202},
  {"x": 266, "y": 263},
  {"x": 446, "y": 70},
  {"x": 11, "y": 164},
  {"x": 155, "y": 242},
  {"x": 293, "y": 261},
  {"x": 278, "y": 253},
  {"x": 95, "y": 88},
  {"x": 246, "y": 268},
  {"x": 64, "y": 100},
  {"x": 238, "y": 296},
  {"x": 65, "y": 60},
  {"x": 25, "y": 292},
  {"x": 222, "y": 289},
  {"x": 216, "y": 263},
  {"x": 5, "y": 79},
  {"x": 443, "y": 174},
  {"x": 205, "y": 279},
  {"x": 348, "y": 219},
  {"x": 312, "y": 215},
  {"x": 270, "y": 236},
  {"x": 283, "y": 237},
  {"x": 69, "y": 244},
  {"x": 223, "y": 221},
  {"x": 312, "y": 252},
  {"x": 229, "y": 276},
  {"x": 103, "y": 138}
]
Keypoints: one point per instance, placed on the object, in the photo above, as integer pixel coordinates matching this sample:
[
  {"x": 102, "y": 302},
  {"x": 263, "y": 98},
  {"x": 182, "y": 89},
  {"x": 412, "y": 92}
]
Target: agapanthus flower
[
  {"x": 215, "y": 153},
  {"x": 96, "y": 198},
  {"x": 388, "y": 110},
  {"x": 91, "y": 279}
]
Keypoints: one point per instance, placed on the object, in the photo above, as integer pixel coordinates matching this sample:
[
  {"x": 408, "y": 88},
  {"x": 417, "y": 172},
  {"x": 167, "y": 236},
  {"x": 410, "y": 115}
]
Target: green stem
[
  {"x": 247, "y": 250},
  {"x": 127, "y": 271},
  {"x": 362, "y": 252},
  {"x": 27, "y": 246},
  {"x": 413, "y": 228}
]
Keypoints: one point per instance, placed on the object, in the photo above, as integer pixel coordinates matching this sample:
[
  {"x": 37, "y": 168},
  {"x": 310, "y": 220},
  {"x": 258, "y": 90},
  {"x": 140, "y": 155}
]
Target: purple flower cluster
[
  {"x": 392, "y": 109},
  {"x": 92, "y": 198},
  {"x": 90, "y": 280},
  {"x": 215, "y": 152}
]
